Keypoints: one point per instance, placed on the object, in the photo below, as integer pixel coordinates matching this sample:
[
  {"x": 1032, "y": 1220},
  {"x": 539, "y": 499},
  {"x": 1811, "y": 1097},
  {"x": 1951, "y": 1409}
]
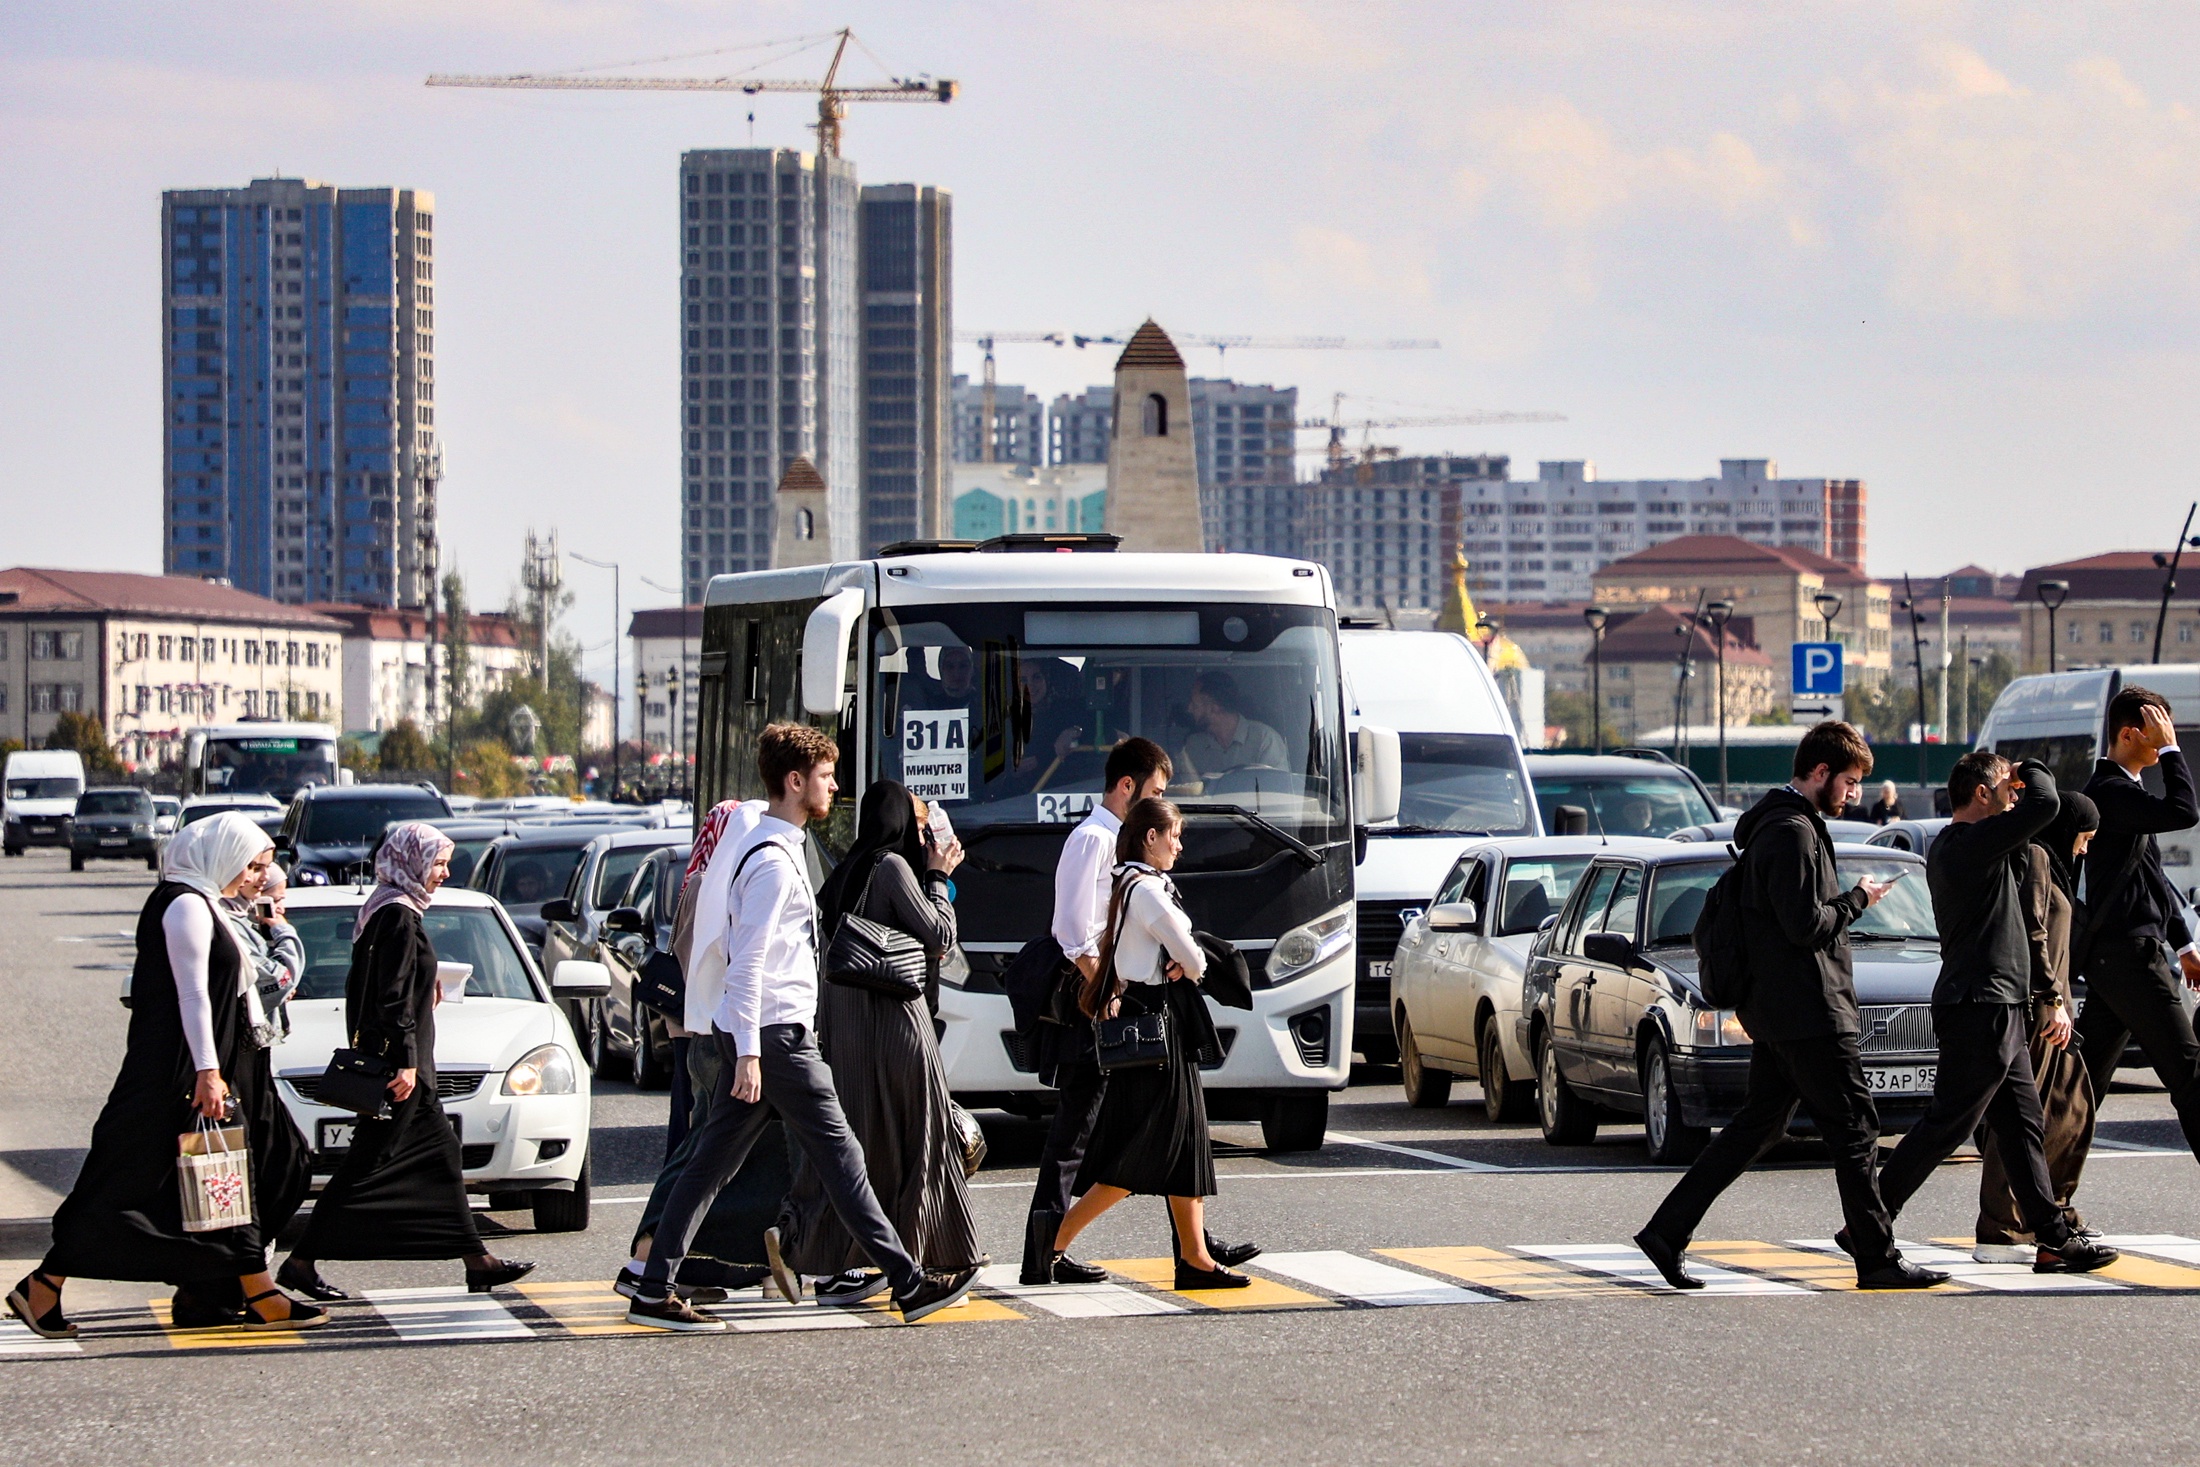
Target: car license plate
[
  {"x": 1377, "y": 969},
  {"x": 336, "y": 1135},
  {"x": 114, "y": 840},
  {"x": 1900, "y": 1079}
]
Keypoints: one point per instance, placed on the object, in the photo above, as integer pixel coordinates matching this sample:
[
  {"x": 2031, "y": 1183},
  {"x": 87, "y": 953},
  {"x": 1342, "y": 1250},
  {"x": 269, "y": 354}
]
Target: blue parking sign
[{"x": 1817, "y": 670}]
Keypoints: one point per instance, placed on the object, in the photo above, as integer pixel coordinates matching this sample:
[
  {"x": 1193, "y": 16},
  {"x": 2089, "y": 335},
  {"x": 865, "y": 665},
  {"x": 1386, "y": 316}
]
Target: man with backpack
[{"x": 1784, "y": 921}]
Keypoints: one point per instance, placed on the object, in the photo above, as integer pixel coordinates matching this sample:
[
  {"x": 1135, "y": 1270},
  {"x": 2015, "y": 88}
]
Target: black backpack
[{"x": 1722, "y": 954}]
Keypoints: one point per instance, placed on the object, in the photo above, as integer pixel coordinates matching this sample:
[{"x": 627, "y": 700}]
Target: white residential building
[
  {"x": 386, "y": 655},
  {"x": 665, "y": 638}
]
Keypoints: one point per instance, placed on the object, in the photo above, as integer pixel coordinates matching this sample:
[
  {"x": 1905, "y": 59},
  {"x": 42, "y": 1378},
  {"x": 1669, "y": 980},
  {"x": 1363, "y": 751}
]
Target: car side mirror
[
  {"x": 623, "y": 919},
  {"x": 577, "y": 978},
  {"x": 1452, "y": 917},
  {"x": 1610, "y": 948},
  {"x": 558, "y": 909}
]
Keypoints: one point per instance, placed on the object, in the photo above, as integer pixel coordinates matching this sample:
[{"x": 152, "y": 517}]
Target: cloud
[{"x": 1325, "y": 262}]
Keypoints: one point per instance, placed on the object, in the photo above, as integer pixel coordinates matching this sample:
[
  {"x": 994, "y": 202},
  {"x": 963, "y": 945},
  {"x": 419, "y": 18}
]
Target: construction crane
[
  {"x": 986, "y": 340},
  {"x": 1223, "y": 345},
  {"x": 1339, "y": 455},
  {"x": 832, "y": 98}
]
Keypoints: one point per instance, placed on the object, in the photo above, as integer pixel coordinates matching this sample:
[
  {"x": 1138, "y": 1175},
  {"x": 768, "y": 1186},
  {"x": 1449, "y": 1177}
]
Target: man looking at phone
[
  {"x": 1800, "y": 1011},
  {"x": 1982, "y": 1003}
]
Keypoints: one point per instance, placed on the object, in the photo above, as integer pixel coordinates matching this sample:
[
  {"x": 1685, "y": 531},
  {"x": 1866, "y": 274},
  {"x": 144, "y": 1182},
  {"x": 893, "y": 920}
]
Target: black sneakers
[
  {"x": 933, "y": 1292},
  {"x": 2079, "y": 1255},
  {"x": 852, "y": 1287},
  {"x": 672, "y": 1313}
]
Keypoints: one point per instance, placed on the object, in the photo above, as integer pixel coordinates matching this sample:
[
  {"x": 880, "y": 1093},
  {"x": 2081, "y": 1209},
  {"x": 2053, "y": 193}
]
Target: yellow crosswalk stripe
[
  {"x": 2146, "y": 1273},
  {"x": 1160, "y": 1273},
  {"x": 1521, "y": 1278},
  {"x": 226, "y": 1337},
  {"x": 1793, "y": 1265},
  {"x": 973, "y": 1309},
  {"x": 589, "y": 1307}
]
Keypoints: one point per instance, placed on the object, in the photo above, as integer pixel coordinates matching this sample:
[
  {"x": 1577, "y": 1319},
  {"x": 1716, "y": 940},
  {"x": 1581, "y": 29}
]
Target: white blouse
[{"x": 1153, "y": 924}]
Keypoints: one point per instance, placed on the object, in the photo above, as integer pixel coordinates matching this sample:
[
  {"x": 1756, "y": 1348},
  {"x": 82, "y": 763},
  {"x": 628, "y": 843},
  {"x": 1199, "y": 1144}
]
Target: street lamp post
[
  {"x": 1596, "y": 617},
  {"x": 672, "y": 685},
  {"x": 1717, "y": 615},
  {"x": 2168, "y": 565},
  {"x": 1917, "y": 660},
  {"x": 641, "y": 726},
  {"x": 2051, "y": 594},
  {"x": 1829, "y": 607},
  {"x": 613, "y": 567}
]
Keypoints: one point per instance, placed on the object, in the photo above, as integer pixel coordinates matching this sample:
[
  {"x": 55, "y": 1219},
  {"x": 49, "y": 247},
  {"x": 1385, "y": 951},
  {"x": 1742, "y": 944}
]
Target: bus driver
[{"x": 1226, "y": 739}]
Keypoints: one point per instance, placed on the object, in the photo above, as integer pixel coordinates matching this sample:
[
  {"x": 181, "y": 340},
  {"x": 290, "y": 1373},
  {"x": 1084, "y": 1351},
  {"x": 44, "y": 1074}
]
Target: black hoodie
[{"x": 1801, "y": 983}]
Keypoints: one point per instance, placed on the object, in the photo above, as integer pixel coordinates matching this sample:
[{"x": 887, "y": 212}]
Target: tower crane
[
  {"x": 986, "y": 340},
  {"x": 832, "y": 97},
  {"x": 1339, "y": 455}
]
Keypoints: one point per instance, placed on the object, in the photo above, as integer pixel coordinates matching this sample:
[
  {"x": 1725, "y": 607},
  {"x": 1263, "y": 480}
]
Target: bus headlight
[
  {"x": 544, "y": 1070},
  {"x": 1716, "y": 1027},
  {"x": 1309, "y": 945}
]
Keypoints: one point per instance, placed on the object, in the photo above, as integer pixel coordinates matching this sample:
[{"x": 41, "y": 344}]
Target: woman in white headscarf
[
  {"x": 401, "y": 1191},
  {"x": 193, "y": 1053}
]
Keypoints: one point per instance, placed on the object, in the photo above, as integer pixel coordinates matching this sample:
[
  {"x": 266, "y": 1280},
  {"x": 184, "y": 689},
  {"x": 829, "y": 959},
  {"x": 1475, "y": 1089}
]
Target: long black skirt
[
  {"x": 1151, "y": 1133},
  {"x": 400, "y": 1193}
]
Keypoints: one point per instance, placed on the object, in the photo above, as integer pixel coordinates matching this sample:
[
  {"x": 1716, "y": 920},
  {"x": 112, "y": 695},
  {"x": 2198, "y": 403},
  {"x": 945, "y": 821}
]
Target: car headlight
[
  {"x": 545, "y": 1070},
  {"x": 955, "y": 968},
  {"x": 1715, "y": 1027},
  {"x": 309, "y": 876},
  {"x": 141, "y": 829},
  {"x": 1309, "y": 944}
]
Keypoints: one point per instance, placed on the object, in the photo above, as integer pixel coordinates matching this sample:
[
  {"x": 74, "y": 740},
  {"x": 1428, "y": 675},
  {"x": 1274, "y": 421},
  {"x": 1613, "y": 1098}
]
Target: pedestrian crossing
[{"x": 1308, "y": 1281}]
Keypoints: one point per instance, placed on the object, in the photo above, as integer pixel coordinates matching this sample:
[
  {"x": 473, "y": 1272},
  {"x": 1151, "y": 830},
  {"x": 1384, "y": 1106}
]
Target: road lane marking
[
  {"x": 1160, "y": 1273},
  {"x": 2004, "y": 1278},
  {"x": 17, "y": 1338},
  {"x": 1625, "y": 1261},
  {"x": 584, "y": 1308},
  {"x": 1795, "y": 1265},
  {"x": 1074, "y": 1301},
  {"x": 1456, "y": 1163},
  {"x": 1365, "y": 1281},
  {"x": 1518, "y": 1278},
  {"x": 2173, "y": 1246},
  {"x": 446, "y": 1313}
]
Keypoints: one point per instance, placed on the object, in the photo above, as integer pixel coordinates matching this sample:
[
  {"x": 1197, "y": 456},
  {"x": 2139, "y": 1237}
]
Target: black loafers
[{"x": 1667, "y": 1260}]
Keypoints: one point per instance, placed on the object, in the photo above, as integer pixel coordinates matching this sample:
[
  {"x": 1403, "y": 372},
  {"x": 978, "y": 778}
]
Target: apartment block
[
  {"x": 1388, "y": 531},
  {"x": 907, "y": 267}
]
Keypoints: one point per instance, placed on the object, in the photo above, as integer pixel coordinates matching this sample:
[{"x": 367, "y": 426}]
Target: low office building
[
  {"x": 1006, "y": 499},
  {"x": 154, "y": 656},
  {"x": 1655, "y": 672},
  {"x": 2110, "y": 612},
  {"x": 386, "y": 664},
  {"x": 665, "y": 639}
]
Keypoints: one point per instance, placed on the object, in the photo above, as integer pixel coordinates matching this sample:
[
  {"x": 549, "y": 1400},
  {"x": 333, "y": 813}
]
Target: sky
[{"x": 1947, "y": 249}]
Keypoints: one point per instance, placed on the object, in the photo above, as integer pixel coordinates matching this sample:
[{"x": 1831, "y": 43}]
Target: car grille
[
  {"x": 1019, "y": 1052},
  {"x": 1381, "y": 925},
  {"x": 449, "y": 1085},
  {"x": 1897, "y": 1029}
]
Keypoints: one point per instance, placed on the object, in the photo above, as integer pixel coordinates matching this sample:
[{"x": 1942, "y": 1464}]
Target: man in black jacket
[
  {"x": 1982, "y": 1003},
  {"x": 2134, "y": 916},
  {"x": 1800, "y": 1011}
]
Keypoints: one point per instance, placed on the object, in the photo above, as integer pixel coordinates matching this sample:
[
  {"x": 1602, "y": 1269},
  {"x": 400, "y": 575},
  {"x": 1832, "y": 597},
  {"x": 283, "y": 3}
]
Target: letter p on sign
[{"x": 1817, "y": 670}]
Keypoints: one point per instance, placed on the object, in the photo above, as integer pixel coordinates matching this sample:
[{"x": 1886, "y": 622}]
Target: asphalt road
[{"x": 1552, "y": 1362}]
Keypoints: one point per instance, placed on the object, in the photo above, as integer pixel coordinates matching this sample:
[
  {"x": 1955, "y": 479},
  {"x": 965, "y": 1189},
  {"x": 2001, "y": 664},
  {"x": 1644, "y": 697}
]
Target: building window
[
  {"x": 805, "y": 525},
  {"x": 2184, "y": 634},
  {"x": 2074, "y": 633},
  {"x": 57, "y": 697},
  {"x": 2108, "y": 632},
  {"x": 57, "y": 646},
  {"x": 1155, "y": 419},
  {"x": 2140, "y": 631}
]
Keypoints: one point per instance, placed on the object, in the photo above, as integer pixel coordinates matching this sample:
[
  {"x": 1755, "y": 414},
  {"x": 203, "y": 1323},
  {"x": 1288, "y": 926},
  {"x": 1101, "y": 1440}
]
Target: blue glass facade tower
[
  {"x": 908, "y": 362},
  {"x": 300, "y": 457}
]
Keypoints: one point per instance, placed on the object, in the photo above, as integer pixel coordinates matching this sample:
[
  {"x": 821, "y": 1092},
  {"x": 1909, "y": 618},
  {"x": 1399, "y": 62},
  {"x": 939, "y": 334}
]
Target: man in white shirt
[
  {"x": 765, "y": 1028},
  {"x": 1084, "y": 878}
]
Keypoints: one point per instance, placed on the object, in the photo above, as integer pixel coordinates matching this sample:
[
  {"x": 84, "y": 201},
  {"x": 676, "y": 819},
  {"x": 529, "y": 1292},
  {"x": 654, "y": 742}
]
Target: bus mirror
[
  {"x": 825, "y": 650},
  {"x": 1375, "y": 774},
  {"x": 345, "y": 776}
]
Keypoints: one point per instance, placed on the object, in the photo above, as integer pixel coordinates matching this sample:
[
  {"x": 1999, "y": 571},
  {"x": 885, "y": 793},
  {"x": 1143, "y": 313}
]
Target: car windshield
[
  {"x": 1904, "y": 913},
  {"x": 1458, "y": 783},
  {"x": 465, "y": 855},
  {"x": 529, "y": 876},
  {"x": 459, "y": 934},
  {"x": 116, "y": 802},
  {"x": 1651, "y": 803},
  {"x": 1005, "y": 712},
  {"x": 614, "y": 872},
  {"x": 274, "y": 766},
  {"x": 361, "y": 821},
  {"x": 1534, "y": 889},
  {"x": 61, "y": 788}
]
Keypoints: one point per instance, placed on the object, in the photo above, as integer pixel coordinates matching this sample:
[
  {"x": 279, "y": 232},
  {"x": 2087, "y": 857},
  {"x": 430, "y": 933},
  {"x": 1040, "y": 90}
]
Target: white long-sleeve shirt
[
  {"x": 1153, "y": 924},
  {"x": 188, "y": 928},
  {"x": 1084, "y": 880},
  {"x": 771, "y": 940}
]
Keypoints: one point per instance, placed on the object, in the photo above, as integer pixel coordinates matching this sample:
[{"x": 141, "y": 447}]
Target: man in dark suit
[
  {"x": 2134, "y": 916},
  {"x": 1801, "y": 1014}
]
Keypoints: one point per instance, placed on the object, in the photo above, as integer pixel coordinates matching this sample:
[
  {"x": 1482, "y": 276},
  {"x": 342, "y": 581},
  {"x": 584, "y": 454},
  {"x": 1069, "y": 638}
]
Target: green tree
[
  {"x": 485, "y": 769},
  {"x": 405, "y": 750},
  {"x": 84, "y": 733},
  {"x": 1571, "y": 713},
  {"x": 457, "y": 652}
]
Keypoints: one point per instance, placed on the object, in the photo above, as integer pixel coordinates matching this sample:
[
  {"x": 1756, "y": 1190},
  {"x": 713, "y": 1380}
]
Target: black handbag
[
  {"x": 662, "y": 986},
  {"x": 873, "y": 956},
  {"x": 357, "y": 1082},
  {"x": 1132, "y": 1041}
]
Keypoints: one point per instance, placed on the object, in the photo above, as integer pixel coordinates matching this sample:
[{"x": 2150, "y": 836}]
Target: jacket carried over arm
[{"x": 1796, "y": 923}]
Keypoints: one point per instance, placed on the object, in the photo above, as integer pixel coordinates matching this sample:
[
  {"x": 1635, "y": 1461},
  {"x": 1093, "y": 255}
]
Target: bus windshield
[
  {"x": 1005, "y": 713},
  {"x": 268, "y": 766}
]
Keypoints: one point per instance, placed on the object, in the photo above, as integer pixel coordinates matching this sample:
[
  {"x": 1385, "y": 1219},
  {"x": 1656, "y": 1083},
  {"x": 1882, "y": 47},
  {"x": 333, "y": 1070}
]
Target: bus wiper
[
  {"x": 1855, "y": 936},
  {"x": 1305, "y": 853},
  {"x": 1403, "y": 829}
]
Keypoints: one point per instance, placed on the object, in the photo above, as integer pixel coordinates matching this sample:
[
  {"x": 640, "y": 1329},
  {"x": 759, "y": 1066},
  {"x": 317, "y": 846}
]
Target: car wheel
[
  {"x": 650, "y": 1072},
  {"x": 1426, "y": 1089},
  {"x": 1503, "y": 1097},
  {"x": 1295, "y": 1122},
  {"x": 565, "y": 1212},
  {"x": 1568, "y": 1120},
  {"x": 595, "y": 1037},
  {"x": 76, "y": 862},
  {"x": 1671, "y": 1141}
]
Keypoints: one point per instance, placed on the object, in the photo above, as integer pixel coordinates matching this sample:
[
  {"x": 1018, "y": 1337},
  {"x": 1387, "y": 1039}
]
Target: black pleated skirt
[
  {"x": 401, "y": 1191},
  {"x": 1151, "y": 1133}
]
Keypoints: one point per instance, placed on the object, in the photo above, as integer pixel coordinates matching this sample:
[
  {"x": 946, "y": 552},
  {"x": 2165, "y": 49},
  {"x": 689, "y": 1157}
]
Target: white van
[
  {"x": 38, "y": 797},
  {"x": 2061, "y": 719},
  {"x": 1463, "y": 779}
]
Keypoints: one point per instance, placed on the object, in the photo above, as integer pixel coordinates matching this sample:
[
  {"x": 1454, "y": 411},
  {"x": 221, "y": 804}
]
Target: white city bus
[
  {"x": 277, "y": 759},
  {"x": 994, "y": 682}
]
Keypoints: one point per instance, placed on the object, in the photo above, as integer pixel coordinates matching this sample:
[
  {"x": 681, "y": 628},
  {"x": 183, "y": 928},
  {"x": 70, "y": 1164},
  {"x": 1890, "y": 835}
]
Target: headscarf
[
  {"x": 401, "y": 869},
  {"x": 886, "y": 822},
  {"x": 206, "y": 856},
  {"x": 708, "y": 834},
  {"x": 706, "y": 964},
  {"x": 2077, "y": 816}
]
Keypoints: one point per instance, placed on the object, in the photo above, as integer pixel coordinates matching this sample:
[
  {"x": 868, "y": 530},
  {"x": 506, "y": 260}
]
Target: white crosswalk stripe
[
  {"x": 1365, "y": 1281},
  {"x": 1625, "y": 1261},
  {"x": 2004, "y": 1278},
  {"x": 2172, "y": 1246},
  {"x": 16, "y": 1338},
  {"x": 447, "y": 1313},
  {"x": 1074, "y": 1301}
]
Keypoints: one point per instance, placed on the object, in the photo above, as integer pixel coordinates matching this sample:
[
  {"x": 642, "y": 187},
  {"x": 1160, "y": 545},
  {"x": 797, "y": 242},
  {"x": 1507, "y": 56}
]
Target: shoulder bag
[
  {"x": 357, "y": 1081},
  {"x": 872, "y": 955},
  {"x": 1129, "y": 1041}
]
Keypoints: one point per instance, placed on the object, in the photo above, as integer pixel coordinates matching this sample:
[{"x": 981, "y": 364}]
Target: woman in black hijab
[
  {"x": 2050, "y": 897},
  {"x": 885, "y": 1058}
]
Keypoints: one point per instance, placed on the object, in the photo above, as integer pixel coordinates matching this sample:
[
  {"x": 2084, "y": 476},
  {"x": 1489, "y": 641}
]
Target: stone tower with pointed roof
[
  {"x": 802, "y": 521},
  {"x": 1153, "y": 474}
]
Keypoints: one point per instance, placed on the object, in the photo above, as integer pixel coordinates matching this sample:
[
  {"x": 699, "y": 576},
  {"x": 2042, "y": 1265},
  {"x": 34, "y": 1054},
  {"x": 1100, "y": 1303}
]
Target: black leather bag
[
  {"x": 662, "y": 986},
  {"x": 873, "y": 956},
  {"x": 357, "y": 1082},
  {"x": 1132, "y": 1041}
]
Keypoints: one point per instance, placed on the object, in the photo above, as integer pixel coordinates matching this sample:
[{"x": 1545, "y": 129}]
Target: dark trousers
[
  {"x": 2066, "y": 1110},
  {"x": 683, "y": 1096},
  {"x": 2132, "y": 992},
  {"x": 1080, "y": 1084},
  {"x": 1985, "y": 1073},
  {"x": 798, "y": 1086},
  {"x": 1825, "y": 1075}
]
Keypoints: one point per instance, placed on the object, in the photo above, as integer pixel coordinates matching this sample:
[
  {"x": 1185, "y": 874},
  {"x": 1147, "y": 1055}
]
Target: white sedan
[
  {"x": 1455, "y": 982},
  {"x": 508, "y": 1070}
]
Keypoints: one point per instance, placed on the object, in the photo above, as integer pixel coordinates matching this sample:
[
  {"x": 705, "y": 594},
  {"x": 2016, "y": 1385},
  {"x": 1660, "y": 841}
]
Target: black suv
[
  {"x": 331, "y": 832},
  {"x": 113, "y": 823}
]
